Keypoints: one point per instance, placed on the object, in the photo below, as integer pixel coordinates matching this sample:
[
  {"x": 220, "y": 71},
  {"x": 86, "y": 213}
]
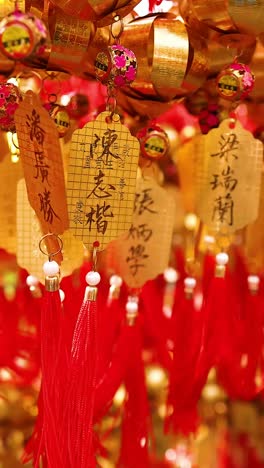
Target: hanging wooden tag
[
  {"x": 29, "y": 234},
  {"x": 143, "y": 252},
  {"x": 10, "y": 173},
  {"x": 42, "y": 163},
  {"x": 254, "y": 237},
  {"x": 101, "y": 180},
  {"x": 228, "y": 177},
  {"x": 186, "y": 161}
]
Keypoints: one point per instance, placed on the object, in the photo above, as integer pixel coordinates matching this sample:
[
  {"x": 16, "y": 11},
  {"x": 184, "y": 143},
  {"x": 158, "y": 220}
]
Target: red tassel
[
  {"x": 238, "y": 373},
  {"x": 115, "y": 373},
  {"x": 109, "y": 322},
  {"x": 217, "y": 316},
  {"x": 134, "y": 445},
  {"x": 156, "y": 325},
  {"x": 80, "y": 390},
  {"x": 186, "y": 342},
  {"x": 44, "y": 444}
]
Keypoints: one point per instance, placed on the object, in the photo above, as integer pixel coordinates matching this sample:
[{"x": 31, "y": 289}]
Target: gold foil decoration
[
  {"x": 231, "y": 15},
  {"x": 143, "y": 252},
  {"x": 213, "y": 14},
  {"x": 101, "y": 180},
  {"x": 10, "y": 173},
  {"x": 197, "y": 69},
  {"x": 42, "y": 163},
  {"x": 103, "y": 12},
  {"x": 29, "y": 234},
  {"x": 187, "y": 12},
  {"x": 161, "y": 45},
  {"x": 70, "y": 39},
  {"x": 228, "y": 178},
  {"x": 248, "y": 15}
]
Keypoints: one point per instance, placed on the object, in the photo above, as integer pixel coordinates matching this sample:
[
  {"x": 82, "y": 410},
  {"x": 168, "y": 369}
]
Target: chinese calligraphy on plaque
[
  {"x": 143, "y": 252},
  {"x": 228, "y": 178},
  {"x": 101, "y": 180},
  {"x": 42, "y": 164}
]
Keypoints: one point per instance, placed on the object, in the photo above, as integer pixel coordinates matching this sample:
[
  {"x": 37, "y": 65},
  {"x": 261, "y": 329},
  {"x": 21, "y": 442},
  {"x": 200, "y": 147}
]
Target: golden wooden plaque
[
  {"x": 101, "y": 180},
  {"x": 10, "y": 173},
  {"x": 41, "y": 158},
  {"x": 143, "y": 252},
  {"x": 228, "y": 178}
]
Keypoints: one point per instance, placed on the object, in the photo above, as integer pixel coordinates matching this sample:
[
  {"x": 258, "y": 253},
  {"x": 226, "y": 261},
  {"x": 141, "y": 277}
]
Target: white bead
[
  {"x": 190, "y": 282},
  {"x": 51, "y": 268},
  {"x": 32, "y": 280},
  {"x": 93, "y": 278},
  {"x": 171, "y": 275},
  {"x": 62, "y": 295},
  {"x": 253, "y": 280},
  {"x": 190, "y": 221},
  {"x": 222, "y": 258},
  {"x": 131, "y": 307},
  {"x": 210, "y": 240},
  {"x": 115, "y": 280}
]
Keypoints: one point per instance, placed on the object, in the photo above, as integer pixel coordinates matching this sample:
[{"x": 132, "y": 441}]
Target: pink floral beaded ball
[
  {"x": 9, "y": 100},
  {"x": 235, "y": 82},
  {"x": 116, "y": 66}
]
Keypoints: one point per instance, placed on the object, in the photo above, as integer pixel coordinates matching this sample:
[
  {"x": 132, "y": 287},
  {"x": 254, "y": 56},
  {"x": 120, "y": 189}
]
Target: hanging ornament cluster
[{"x": 154, "y": 275}]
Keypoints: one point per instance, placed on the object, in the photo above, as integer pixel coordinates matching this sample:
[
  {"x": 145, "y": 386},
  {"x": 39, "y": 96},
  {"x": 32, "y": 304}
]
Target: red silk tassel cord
[{"x": 80, "y": 379}]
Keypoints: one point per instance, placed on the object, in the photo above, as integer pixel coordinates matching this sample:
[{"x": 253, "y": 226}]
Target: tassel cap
[
  {"x": 52, "y": 283},
  {"x": 131, "y": 312},
  {"x": 90, "y": 293},
  {"x": 115, "y": 286},
  {"x": 189, "y": 286},
  {"x": 221, "y": 261},
  {"x": 253, "y": 284},
  {"x": 220, "y": 271}
]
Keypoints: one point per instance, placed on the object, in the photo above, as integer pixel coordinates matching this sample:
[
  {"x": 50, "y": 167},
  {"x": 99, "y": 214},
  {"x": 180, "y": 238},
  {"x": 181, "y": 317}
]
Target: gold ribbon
[
  {"x": 70, "y": 39},
  {"x": 248, "y": 16},
  {"x": 198, "y": 64},
  {"x": 213, "y": 13},
  {"x": 161, "y": 45},
  {"x": 103, "y": 12},
  {"x": 226, "y": 15},
  {"x": 257, "y": 68}
]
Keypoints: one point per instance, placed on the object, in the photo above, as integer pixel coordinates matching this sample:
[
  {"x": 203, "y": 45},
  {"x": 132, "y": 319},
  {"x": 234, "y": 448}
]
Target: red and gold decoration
[
  {"x": 9, "y": 101},
  {"x": 22, "y": 35},
  {"x": 235, "y": 82},
  {"x": 131, "y": 153}
]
